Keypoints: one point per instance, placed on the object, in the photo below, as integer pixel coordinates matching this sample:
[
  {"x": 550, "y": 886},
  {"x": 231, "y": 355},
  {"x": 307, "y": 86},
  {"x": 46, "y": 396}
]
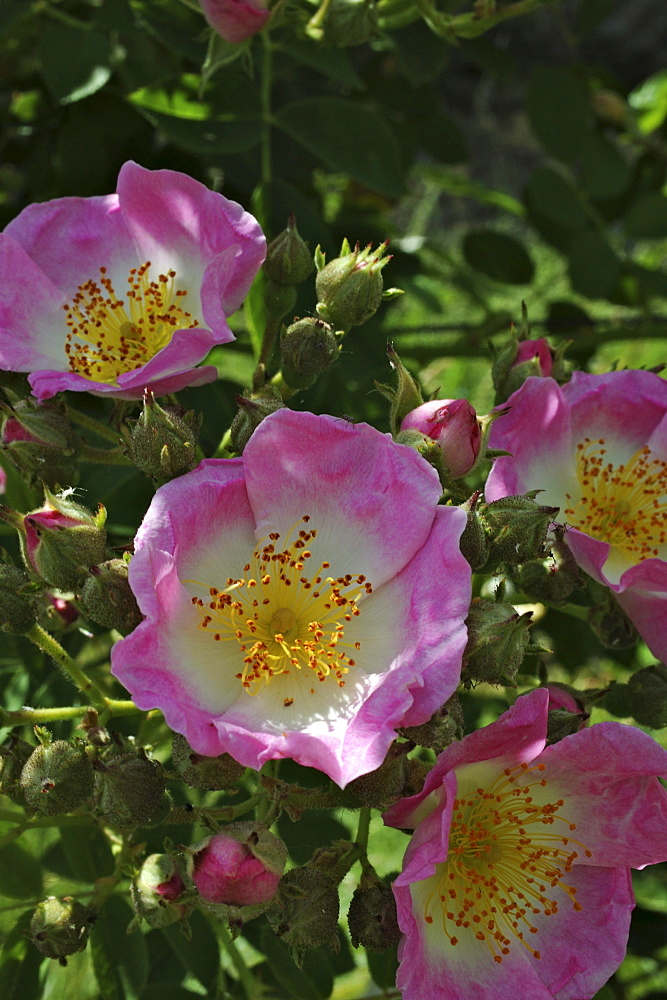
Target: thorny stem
[{"x": 46, "y": 642}]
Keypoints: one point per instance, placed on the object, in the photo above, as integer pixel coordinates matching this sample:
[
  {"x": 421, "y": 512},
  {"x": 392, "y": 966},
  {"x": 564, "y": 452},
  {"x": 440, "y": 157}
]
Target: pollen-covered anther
[
  {"x": 284, "y": 618},
  {"x": 623, "y": 504},
  {"x": 503, "y": 868},
  {"x": 109, "y": 336}
]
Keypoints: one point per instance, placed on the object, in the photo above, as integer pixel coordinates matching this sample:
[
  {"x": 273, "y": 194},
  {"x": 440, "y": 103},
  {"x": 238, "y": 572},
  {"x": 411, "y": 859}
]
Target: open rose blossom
[
  {"x": 516, "y": 882},
  {"x": 118, "y": 293},
  {"x": 235, "y": 20},
  {"x": 301, "y": 601},
  {"x": 597, "y": 448}
]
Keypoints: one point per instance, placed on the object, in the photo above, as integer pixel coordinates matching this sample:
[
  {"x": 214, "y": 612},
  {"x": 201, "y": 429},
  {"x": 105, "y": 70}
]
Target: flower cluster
[{"x": 309, "y": 597}]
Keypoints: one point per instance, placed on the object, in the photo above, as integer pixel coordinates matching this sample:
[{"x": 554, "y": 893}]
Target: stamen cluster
[
  {"x": 284, "y": 618},
  {"x": 624, "y": 505},
  {"x": 503, "y": 863},
  {"x": 109, "y": 335}
]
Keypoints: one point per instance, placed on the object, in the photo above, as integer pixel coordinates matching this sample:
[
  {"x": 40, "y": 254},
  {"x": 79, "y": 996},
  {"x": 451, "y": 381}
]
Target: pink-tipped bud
[
  {"x": 453, "y": 424},
  {"x": 538, "y": 354},
  {"x": 239, "y": 868},
  {"x": 235, "y": 20}
]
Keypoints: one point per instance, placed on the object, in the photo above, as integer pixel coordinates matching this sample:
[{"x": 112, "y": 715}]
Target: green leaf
[
  {"x": 254, "y": 311},
  {"x": 19, "y": 963},
  {"x": 550, "y": 195},
  {"x": 647, "y": 218},
  {"x": 421, "y": 54},
  {"x": 332, "y": 62},
  {"x": 559, "y": 112},
  {"x": 382, "y": 967},
  {"x": 200, "y": 956},
  {"x": 347, "y": 136},
  {"x": 605, "y": 173},
  {"x": 20, "y": 873},
  {"x": 498, "y": 256},
  {"x": 87, "y": 852},
  {"x": 76, "y": 979},
  {"x": 594, "y": 268},
  {"x": 164, "y": 991},
  {"x": 75, "y": 63},
  {"x": 120, "y": 959},
  {"x": 313, "y": 982},
  {"x": 650, "y": 100}
]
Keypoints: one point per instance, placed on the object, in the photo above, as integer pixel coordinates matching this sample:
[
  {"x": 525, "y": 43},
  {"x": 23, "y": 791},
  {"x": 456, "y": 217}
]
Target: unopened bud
[
  {"x": 453, "y": 425},
  {"x": 498, "y": 640},
  {"x": 239, "y": 866},
  {"x": 611, "y": 624},
  {"x": 443, "y": 728},
  {"x": 566, "y": 713},
  {"x": 288, "y": 259},
  {"x": 516, "y": 529},
  {"x": 647, "y": 693},
  {"x": 60, "y": 540},
  {"x": 40, "y": 441},
  {"x": 107, "y": 598},
  {"x": 372, "y": 915},
  {"x": 156, "y": 892},
  {"x": 350, "y": 288},
  {"x": 214, "y": 774},
  {"x": 305, "y": 911},
  {"x": 308, "y": 347},
  {"x": 549, "y": 581},
  {"x": 163, "y": 441},
  {"x": 130, "y": 790},
  {"x": 474, "y": 542},
  {"x": 57, "y": 777},
  {"x": 61, "y": 927},
  {"x": 18, "y": 603},
  {"x": 380, "y": 788},
  {"x": 252, "y": 409},
  {"x": 14, "y": 754}
]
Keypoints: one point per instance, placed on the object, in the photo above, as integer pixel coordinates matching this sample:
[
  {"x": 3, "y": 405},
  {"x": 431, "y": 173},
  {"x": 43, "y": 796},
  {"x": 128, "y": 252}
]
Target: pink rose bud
[
  {"x": 560, "y": 698},
  {"x": 537, "y": 351},
  {"x": 226, "y": 870},
  {"x": 235, "y": 20},
  {"x": 453, "y": 424}
]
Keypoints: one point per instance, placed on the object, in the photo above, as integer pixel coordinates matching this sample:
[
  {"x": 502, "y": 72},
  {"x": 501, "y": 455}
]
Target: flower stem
[
  {"x": 245, "y": 975},
  {"x": 104, "y": 456},
  {"x": 46, "y": 642},
  {"x": 363, "y": 827},
  {"x": 95, "y": 426},
  {"x": 264, "y": 206},
  {"x": 36, "y": 716}
]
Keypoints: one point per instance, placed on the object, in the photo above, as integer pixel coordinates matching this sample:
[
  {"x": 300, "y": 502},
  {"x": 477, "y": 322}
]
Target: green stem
[
  {"x": 46, "y": 642},
  {"x": 104, "y": 456},
  {"x": 36, "y": 716},
  {"x": 265, "y": 154},
  {"x": 363, "y": 827},
  {"x": 90, "y": 424},
  {"x": 246, "y": 977}
]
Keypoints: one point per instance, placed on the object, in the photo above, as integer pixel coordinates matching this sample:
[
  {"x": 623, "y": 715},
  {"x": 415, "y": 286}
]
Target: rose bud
[
  {"x": 240, "y": 867},
  {"x": 453, "y": 424}
]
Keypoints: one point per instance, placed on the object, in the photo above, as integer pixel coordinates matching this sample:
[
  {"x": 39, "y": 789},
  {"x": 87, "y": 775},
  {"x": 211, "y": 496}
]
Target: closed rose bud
[
  {"x": 107, "y": 598},
  {"x": 350, "y": 287},
  {"x": 156, "y": 892},
  {"x": 40, "y": 440},
  {"x": 60, "y": 540},
  {"x": 539, "y": 353},
  {"x": 453, "y": 424},
  {"x": 57, "y": 778},
  {"x": 235, "y": 20},
  {"x": 240, "y": 867},
  {"x": 60, "y": 927}
]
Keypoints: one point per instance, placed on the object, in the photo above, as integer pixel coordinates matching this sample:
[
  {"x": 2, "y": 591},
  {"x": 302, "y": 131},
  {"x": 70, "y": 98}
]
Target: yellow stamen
[
  {"x": 504, "y": 863},
  {"x": 109, "y": 336},
  {"x": 284, "y": 617},
  {"x": 624, "y": 505}
]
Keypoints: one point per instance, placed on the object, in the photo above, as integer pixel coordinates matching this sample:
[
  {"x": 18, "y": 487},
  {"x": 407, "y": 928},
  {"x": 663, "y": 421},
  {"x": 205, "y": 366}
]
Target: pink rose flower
[
  {"x": 235, "y": 20},
  {"x": 226, "y": 871},
  {"x": 597, "y": 448},
  {"x": 516, "y": 882},
  {"x": 302, "y": 601},
  {"x": 453, "y": 424},
  {"x": 118, "y": 293}
]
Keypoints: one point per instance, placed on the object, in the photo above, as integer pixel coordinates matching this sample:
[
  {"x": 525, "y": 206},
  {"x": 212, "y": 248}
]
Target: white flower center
[
  {"x": 503, "y": 864},
  {"x": 624, "y": 504},
  {"x": 284, "y": 617},
  {"x": 109, "y": 336}
]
